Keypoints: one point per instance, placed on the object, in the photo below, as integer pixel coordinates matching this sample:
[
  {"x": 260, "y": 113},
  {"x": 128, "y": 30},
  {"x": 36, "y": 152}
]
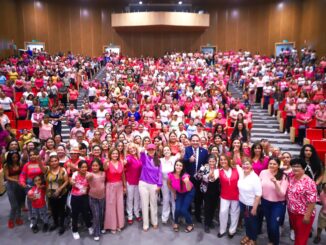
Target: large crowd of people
[{"x": 160, "y": 130}]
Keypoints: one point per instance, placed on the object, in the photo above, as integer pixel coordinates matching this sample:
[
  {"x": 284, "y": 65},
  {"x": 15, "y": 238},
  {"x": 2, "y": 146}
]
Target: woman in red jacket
[{"x": 229, "y": 202}]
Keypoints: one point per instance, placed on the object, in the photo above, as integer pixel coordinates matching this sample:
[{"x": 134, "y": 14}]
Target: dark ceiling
[{"x": 194, "y": 2}]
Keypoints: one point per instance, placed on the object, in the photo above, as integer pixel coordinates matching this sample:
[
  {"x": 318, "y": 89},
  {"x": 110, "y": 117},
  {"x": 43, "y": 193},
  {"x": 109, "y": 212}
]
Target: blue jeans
[
  {"x": 182, "y": 204},
  {"x": 273, "y": 212},
  {"x": 251, "y": 222}
]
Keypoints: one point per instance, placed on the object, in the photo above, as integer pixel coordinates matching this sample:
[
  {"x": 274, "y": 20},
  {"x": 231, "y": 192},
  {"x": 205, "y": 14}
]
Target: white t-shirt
[
  {"x": 5, "y": 102},
  {"x": 164, "y": 116},
  {"x": 100, "y": 115},
  {"x": 167, "y": 166},
  {"x": 249, "y": 187},
  {"x": 91, "y": 91}
]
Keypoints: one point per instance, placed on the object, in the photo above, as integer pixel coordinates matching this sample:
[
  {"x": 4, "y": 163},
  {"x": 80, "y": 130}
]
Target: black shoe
[
  {"x": 206, "y": 229},
  {"x": 34, "y": 228},
  {"x": 61, "y": 231},
  {"x": 219, "y": 235},
  {"x": 53, "y": 227},
  {"x": 231, "y": 235},
  {"x": 45, "y": 228}
]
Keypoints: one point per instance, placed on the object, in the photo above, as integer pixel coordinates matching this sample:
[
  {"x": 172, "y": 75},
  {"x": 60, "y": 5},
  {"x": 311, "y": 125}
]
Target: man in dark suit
[{"x": 194, "y": 158}]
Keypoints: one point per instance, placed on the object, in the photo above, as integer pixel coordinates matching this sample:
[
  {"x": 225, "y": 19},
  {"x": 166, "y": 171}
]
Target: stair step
[
  {"x": 265, "y": 120},
  {"x": 265, "y": 125},
  {"x": 271, "y": 135},
  {"x": 263, "y": 130}
]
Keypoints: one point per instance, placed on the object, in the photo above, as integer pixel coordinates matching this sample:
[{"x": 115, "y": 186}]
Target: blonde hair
[{"x": 133, "y": 145}]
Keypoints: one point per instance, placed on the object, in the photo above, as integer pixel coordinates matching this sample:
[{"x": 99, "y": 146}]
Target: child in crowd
[
  {"x": 39, "y": 208},
  {"x": 79, "y": 199},
  {"x": 96, "y": 194}
]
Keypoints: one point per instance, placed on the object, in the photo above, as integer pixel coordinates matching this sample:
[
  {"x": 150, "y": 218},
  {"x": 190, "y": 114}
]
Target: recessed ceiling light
[
  {"x": 140, "y": 2},
  {"x": 180, "y": 2}
]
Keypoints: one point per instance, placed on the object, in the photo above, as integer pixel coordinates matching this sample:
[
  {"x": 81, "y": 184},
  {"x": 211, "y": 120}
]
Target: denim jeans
[
  {"x": 251, "y": 222},
  {"x": 273, "y": 212},
  {"x": 182, "y": 204}
]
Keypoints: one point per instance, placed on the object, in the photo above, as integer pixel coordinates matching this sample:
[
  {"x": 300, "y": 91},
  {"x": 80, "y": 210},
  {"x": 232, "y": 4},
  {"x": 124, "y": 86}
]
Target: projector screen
[
  {"x": 112, "y": 49},
  {"x": 284, "y": 46},
  {"x": 35, "y": 45},
  {"x": 208, "y": 49}
]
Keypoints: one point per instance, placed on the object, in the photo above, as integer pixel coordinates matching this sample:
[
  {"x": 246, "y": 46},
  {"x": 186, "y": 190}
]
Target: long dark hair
[
  {"x": 252, "y": 151},
  {"x": 156, "y": 160},
  {"x": 99, "y": 162},
  {"x": 10, "y": 155},
  {"x": 235, "y": 133},
  {"x": 315, "y": 162},
  {"x": 280, "y": 173},
  {"x": 183, "y": 171}
]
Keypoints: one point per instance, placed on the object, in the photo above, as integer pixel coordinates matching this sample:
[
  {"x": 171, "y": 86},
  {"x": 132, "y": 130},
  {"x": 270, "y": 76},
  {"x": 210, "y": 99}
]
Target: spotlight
[
  {"x": 140, "y": 2},
  {"x": 180, "y": 2}
]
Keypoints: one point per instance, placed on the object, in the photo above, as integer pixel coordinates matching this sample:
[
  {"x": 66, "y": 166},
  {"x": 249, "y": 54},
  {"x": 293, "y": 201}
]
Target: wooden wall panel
[
  {"x": 86, "y": 27},
  {"x": 75, "y": 29},
  {"x": 313, "y": 27},
  {"x": 8, "y": 26}
]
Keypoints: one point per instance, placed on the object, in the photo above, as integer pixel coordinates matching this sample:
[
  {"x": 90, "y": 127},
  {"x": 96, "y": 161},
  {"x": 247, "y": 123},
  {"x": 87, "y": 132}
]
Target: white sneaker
[
  {"x": 76, "y": 235},
  {"x": 285, "y": 132},
  {"x": 90, "y": 231},
  {"x": 30, "y": 225},
  {"x": 103, "y": 231},
  {"x": 292, "y": 235},
  {"x": 96, "y": 238}
]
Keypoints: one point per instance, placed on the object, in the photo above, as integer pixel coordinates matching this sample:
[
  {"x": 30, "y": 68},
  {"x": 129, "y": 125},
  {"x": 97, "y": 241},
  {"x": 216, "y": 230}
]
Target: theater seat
[
  {"x": 320, "y": 146},
  {"x": 18, "y": 96},
  {"x": 10, "y": 115},
  {"x": 22, "y": 124},
  {"x": 294, "y": 130},
  {"x": 313, "y": 134},
  {"x": 282, "y": 118}
]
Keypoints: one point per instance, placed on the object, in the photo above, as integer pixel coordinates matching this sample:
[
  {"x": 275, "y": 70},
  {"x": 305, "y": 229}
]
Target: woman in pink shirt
[
  {"x": 36, "y": 119},
  {"x": 133, "y": 167},
  {"x": 182, "y": 188},
  {"x": 73, "y": 96},
  {"x": 115, "y": 188},
  {"x": 96, "y": 193},
  {"x": 303, "y": 118},
  {"x": 79, "y": 199},
  {"x": 22, "y": 109},
  {"x": 301, "y": 201},
  {"x": 274, "y": 184},
  {"x": 78, "y": 127},
  {"x": 46, "y": 129},
  {"x": 259, "y": 161}
]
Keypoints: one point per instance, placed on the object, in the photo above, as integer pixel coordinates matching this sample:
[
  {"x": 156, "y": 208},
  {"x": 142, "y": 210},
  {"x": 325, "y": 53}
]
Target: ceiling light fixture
[
  {"x": 180, "y": 2},
  {"x": 140, "y": 2}
]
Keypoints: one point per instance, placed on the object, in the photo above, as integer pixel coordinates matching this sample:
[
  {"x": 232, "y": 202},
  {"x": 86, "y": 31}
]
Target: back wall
[{"x": 85, "y": 27}]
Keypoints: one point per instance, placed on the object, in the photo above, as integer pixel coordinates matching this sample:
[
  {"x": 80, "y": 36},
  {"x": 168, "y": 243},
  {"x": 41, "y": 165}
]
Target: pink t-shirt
[
  {"x": 175, "y": 183},
  {"x": 269, "y": 190},
  {"x": 81, "y": 184},
  {"x": 259, "y": 166},
  {"x": 133, "y": 170},
  {"x": 97, "y": 185},
  {"x": 73, "y": 94},
  {"x": 21, "y": 109},
  {"x": 45, "y": 131}
]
